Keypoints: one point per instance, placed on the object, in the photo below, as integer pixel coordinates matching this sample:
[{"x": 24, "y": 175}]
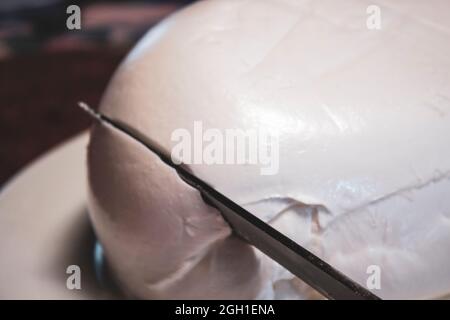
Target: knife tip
[{"x": 91, "y": 112}]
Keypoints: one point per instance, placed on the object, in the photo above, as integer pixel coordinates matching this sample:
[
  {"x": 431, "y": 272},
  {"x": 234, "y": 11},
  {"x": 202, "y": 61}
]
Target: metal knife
[{"x": 305, "y": 265}]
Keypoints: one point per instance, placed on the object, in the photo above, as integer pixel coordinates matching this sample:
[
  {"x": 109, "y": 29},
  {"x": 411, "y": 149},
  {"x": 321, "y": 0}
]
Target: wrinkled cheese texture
[{"x": 363, "y": 118}]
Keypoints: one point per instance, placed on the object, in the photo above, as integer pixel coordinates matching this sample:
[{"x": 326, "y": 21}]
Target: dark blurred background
[{"x": 45, "y": 69}]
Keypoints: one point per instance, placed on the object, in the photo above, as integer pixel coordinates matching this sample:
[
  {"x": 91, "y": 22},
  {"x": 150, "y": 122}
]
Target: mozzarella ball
[{"x": 362, "y": 169}]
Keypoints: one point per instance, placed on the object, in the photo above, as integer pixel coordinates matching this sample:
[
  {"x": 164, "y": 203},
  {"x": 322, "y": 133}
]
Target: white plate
[{"x": 44, "y": 228}]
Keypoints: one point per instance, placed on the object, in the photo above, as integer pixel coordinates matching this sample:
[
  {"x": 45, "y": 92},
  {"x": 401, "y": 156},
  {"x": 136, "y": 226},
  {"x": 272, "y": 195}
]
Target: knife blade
[{"x": 299, "y": 261}]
